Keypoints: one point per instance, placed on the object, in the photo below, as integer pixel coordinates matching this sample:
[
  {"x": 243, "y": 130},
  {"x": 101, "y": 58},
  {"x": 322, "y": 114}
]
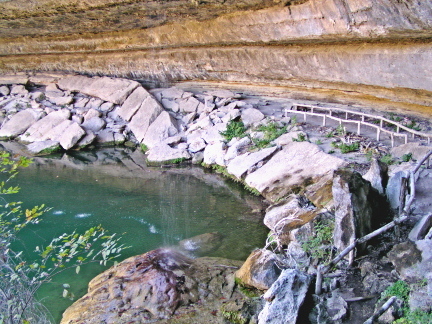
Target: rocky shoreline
[{"x": 309, "y": 191}]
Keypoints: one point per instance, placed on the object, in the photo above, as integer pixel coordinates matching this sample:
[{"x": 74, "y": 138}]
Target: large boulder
[
  {"x": 114, "y": 90},
  {"x": 43, "y": 147},
  {"x": 19, "y": 123},
  {"x": 151, "y": 287},
  {"x": 353, "y": 198},
  {"x": 135, "y": 101},
  {"x": 296, "y": 166},
  {"x": 284, "y": 298},
  {"x": 242, "y": 163},
  {"x": 214, "y": 154},
  {"x": 163, "y": 153},
  {"x": 163, "y": 126},
  {"x": 377, "y": 175},
  {"x": 39, "y": 130},
  {"x": 251, "y": 116},
  {"x": 286, "y": 216},
  {"x": 146, "y": 114},
  {"x": 260, "y": 270},
  {"x": 67, "y": 133}
]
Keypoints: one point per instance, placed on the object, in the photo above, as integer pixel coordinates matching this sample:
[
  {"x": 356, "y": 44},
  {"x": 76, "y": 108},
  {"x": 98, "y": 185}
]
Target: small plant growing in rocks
[
  {"x": 234, "y": 129},
  {"x": 319, "y": 246},
  {"x": 271, "y": 132}
]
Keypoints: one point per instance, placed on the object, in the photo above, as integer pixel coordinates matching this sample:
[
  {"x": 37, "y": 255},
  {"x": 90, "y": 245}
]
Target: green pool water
[{"x": 150, "y": 208}]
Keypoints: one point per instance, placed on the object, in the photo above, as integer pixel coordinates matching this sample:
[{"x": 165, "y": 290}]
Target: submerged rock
[{"x": 202, "y": 244}]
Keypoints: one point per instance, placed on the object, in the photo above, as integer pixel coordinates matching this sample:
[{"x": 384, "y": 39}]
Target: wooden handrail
[{"x": 359, "y": 122}]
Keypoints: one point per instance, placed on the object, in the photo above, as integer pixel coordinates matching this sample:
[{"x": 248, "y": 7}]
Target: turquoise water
[{"x": 157, "y": 208}]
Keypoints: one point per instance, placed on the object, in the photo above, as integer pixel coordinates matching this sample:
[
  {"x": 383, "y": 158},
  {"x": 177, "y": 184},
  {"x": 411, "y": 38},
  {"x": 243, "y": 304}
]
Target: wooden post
[
  {"x": 381, "y": 123},
  {"x": 406, "y": 138},
  {"x": 324, "y": 119},
  {"x": 397, "y": 128},
  {"x": 358, "y": 127},
  {"x": 392, "y": 139},
  {"x": 378, "y": 134},
  {"x": 346, "y": 115},
  {"x": 304, "y": 116}
]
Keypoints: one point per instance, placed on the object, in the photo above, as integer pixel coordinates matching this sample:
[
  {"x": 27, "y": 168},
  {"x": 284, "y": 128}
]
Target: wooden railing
[{"x": 327, "y": 113}]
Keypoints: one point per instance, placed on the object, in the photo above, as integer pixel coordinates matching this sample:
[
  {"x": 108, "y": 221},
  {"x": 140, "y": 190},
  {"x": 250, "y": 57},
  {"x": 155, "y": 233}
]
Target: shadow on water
[{"x": 149, "y": 207}]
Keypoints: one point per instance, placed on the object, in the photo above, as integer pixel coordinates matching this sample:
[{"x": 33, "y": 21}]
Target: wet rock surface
[{"x": 152, "y": 287}]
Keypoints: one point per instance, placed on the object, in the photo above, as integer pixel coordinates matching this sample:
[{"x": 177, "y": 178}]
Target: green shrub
[
  {"x": 271, "y": 132},
  {"x": 406, "y": 157},
  {"x": 234, "y": 129},
  {"x": 300, "y": 138},
  {"x": 387, "y": 159},
  {"x": 319, "y": 246},
  {"x": 399, "y": 289}
]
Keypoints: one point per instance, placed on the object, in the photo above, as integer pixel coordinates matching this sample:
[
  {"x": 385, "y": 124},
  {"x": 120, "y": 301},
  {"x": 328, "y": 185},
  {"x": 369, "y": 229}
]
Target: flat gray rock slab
[
  {"x": 18, "y": 78},
  {"x": 67, "y": 133},
  {"x": 164, "y": 126},
  {"x": 19, "y": 123},
  {"x": 39, "y": 130},
  {"x": 164, "y": 153},
  {"x": 134, "y": 102},
  {"x": 43, "y": 147},
  {"x": 147, "y": 113},
  {"x": 296, "y": 165},
  {"x": 242, "y": 163},
  {"x": 114, "y": 90}
]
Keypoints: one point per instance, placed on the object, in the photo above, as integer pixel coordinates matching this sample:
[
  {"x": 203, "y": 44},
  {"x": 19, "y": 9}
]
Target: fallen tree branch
[
  {"x": 322, "y": 270},
  {"x": 381, "y": 311}
]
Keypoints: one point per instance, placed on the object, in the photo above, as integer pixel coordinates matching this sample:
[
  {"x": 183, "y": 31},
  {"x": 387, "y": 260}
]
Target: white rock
[
  {"x": 214, "y": 153},
  {"x": 18, "y": 89},
  {"x": 4, "y": 90},
  {"x": 296, "y": 164},
  {"x": 251, "y": 116},
  {"x": 242, "y": 163},
  {"x": 235, "y": 146},
  {"x": 19, "y": 123},
  {"x": 289, "y": 137},
  {"x": 43, "y": 147},
  {"x": 134, "y": 102},
  {"x": 172, "y": 93},
  {"x": 163, "y": 153},
  {"x": 147, "y": 113},
  {"x": 67, "y": 133},
  {"x": 38, "y": 131},
  {"x": 189, "y": 106},
  {"x": 170, "y": 105},
  {"x": 62, "y": 101},
  {"x": 94, "y": 124},
  {"x": 81, "y": 102},
  {"x": 86, "y": 140},
  {"x": 114, "y": 90},
  {"x": 162, "y": 127}
]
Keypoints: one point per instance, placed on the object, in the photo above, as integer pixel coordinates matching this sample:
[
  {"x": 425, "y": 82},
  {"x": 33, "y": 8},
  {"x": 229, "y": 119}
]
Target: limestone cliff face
[{"x": 372, "y": 49}]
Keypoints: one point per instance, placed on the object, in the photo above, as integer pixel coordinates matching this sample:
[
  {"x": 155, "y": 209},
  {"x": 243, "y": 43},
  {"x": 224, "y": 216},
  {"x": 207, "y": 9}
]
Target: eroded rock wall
[{"x": 370, "y": 48}]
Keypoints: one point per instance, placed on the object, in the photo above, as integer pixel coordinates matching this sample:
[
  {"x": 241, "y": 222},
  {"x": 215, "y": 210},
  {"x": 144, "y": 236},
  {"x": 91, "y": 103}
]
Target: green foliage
[
  {"x": 318, "y": 142},
  {"x": 271, "y": 132},
  {"x": 144, "y": 148},
  {"x": 21, "y": 279},
  {"x": 300, "y": 138},
  {"x": 234, "y": 317},
  {"x": 294, "y": 120},
  {"x": 406, "y": 157},
  {"x": 234, "y": 129},
  {"x": 346, "y": 148},
  {"x": 395, "y": 118},
  {"x": 319, "y": 246},
  {"x": 387, "y": 159},
  {"x": 413, "y": 125},
  {"x": 399, "y": 289},
  {"x": 415, "y": 317}
]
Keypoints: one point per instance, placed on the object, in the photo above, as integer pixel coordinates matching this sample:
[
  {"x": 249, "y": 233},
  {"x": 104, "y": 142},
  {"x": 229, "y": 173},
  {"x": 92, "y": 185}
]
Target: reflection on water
[{"x": 150, "y": 208}]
